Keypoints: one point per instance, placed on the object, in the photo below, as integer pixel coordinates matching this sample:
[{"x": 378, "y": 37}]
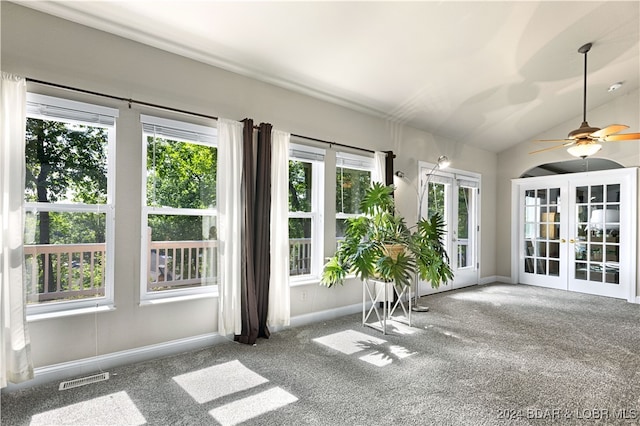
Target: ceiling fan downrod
[
  {"x": 584, "y": 50},
  {"x": 584, "y": 130}
]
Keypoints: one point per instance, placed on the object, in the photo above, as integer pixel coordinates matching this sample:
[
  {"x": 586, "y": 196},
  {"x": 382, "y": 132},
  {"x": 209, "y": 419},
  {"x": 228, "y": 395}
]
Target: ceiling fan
[{"x": 584, "y": 141}]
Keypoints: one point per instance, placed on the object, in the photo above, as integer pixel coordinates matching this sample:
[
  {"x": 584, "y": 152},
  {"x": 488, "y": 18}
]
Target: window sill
[
  {"x": 181, "y": 298},
  {"x": 304, "y": 281},
  {"x": 69, "y": 313}
]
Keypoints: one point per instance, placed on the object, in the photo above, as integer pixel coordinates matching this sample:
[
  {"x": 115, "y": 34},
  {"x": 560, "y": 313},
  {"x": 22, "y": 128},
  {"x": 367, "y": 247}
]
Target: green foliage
[
  {"x": 300, "y": 178},
  {"x": 180, "y": 174},
  {"x": 364, "y": 250},
  {"x": 65, "y": 162},
  {"x": 351, "y": 186},
  {"x": 428, "y": 247}
]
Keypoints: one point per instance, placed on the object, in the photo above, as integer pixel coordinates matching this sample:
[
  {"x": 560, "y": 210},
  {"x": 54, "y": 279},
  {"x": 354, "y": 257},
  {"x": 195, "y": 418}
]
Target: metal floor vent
[{"x": 69, "y": 384}]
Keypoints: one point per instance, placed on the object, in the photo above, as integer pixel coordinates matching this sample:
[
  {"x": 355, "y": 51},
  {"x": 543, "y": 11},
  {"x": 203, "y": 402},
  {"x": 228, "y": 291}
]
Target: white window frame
[
  {"x": 180, "y": 131},
  {"x": 350, "y": 161},
  {"x": 315, "y": 156},
  {"x": 73, "y": 112}
]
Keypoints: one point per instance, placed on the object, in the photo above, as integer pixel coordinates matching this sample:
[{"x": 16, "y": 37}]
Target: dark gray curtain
[
  {"x": 247, "y": 285},
  {"x": 262, "y": 226},
  {"x": 256, "y": 178}
]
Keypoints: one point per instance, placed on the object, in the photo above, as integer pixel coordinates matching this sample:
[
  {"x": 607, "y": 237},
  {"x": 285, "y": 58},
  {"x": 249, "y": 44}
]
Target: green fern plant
[{"x": 366, "y": 249}]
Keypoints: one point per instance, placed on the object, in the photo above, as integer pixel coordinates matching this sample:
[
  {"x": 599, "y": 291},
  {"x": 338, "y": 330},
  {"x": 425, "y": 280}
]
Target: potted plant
[{"x": 379, "y": 245}]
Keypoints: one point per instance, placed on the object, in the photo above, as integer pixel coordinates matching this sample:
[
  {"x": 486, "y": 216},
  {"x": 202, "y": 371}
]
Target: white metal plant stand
[{"x": 376, "y": 292}]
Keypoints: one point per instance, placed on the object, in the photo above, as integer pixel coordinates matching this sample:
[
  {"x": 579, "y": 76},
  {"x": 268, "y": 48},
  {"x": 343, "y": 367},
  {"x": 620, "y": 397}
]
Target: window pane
[
  {"x": 64, "y": 255},
  {"x": 350, "y": 188},
  {"x": 183, "y": 252},
  {"x": 180, "y": 174},
  {"x": 436, "y": 199},
  {"x": 65, "y": 163},
  {"x": 341, "y": 227},
  {"x": 300, "y": 186},
  {"x": 464, "y": 197},
  {"x": 299, "y": 246}
]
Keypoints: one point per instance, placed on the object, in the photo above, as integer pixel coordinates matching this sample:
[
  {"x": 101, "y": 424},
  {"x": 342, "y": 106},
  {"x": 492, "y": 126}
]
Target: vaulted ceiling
[{"x": 490, "y": 74}]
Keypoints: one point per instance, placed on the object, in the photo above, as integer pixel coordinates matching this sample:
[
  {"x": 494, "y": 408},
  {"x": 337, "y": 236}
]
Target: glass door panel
[
  {"x": 597, "y": 243},
  {"x": 542, "y": 255}
]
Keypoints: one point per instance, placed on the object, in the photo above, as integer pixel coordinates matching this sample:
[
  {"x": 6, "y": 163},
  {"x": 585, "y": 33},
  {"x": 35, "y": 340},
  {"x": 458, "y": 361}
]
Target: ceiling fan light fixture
[{"x": 584, "y": 150}]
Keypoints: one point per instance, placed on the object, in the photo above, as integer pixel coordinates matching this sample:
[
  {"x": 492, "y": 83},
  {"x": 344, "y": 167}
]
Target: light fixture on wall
[{"x": 442, "y": 163}]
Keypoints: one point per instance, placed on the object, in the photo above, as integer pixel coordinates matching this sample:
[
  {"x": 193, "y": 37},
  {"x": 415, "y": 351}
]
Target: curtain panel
[
  {"x": 379, "y": 167},
  {"x": 249, "y": 316},
  {"x": 230, "y": 158},
  {"x": 256, "y": 185},
  {"x": 15, "y": 347},
  {"x": 279, "y": 293}
]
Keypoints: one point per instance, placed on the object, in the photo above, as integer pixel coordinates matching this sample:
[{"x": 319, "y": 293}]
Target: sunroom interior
[{"x": 163, "y": 89}]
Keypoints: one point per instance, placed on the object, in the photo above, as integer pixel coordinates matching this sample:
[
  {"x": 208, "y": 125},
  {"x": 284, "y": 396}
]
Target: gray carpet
[{"x": 494, "y": 354}]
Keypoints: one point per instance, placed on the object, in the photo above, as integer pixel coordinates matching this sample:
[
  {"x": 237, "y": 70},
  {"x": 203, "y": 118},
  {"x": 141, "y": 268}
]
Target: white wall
[
  {"x": 43, "y": 47},
  {"x": 512, "y": 163}
]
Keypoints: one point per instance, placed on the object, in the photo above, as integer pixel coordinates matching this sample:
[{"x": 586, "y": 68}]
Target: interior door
[
  {"x": 456, "y": 198},
  {"x": 599, "y": 235},
  {"x": 577, "y": 232},
  {"x": 542, "y": 234}
]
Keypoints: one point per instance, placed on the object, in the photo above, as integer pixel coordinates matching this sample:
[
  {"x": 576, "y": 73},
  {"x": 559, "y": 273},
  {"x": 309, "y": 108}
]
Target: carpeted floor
[{"x": 494, "y": 354}]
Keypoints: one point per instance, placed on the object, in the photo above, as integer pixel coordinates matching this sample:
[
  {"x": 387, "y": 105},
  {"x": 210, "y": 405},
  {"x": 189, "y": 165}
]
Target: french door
[
  {"x": 578, "y": 231},
  {"x": 455, "y": 195}
]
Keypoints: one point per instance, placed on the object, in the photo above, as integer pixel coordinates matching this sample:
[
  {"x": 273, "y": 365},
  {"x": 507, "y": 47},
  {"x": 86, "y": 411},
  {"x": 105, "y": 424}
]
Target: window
[
  {"x": 69, "y": 215},
  {"x": 353, "y": 177},
  {"x": 179, "y": 214},
  {"x": 306, "y": 195}
]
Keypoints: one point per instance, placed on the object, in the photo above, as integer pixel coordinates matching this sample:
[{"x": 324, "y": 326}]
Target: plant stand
[{"x": 377, "y": 292}]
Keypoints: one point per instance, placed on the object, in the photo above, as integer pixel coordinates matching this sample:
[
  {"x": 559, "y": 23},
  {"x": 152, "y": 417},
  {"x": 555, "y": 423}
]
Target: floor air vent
[{"x": 69, "y": 384}]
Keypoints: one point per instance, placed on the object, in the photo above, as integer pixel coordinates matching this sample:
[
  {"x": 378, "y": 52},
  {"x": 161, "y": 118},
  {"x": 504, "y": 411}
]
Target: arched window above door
[{"x": 572, "y": 166}]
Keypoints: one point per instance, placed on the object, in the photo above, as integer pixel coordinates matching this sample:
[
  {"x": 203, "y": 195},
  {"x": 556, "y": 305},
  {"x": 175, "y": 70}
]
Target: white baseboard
[
  {"x": 495, "y": 279},
  {"x": 329, "y": 314},
  {"x": 88, "y": 366}
]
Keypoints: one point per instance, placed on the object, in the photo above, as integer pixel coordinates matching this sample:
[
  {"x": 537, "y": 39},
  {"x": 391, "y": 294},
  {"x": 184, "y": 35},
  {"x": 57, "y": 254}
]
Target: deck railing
[{"x": 76, "y": 271}]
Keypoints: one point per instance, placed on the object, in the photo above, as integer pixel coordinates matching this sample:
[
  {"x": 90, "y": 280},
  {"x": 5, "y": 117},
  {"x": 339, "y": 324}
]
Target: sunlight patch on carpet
[
  {"x": 114, "y": 409},
  {"x": 397, "y": 327},
  {"x": 219, "y": 380},
  {"x": 253, "y": 406},
  {"x": 386, "y": 355},
  {"x": 349, "y": 341}
]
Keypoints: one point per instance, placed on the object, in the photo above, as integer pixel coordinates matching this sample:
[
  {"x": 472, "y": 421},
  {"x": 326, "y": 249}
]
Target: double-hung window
[
  {"x": 306, "y": 196},
  {"x": 69, "y": 211},
  {"x": 179, "y": 214},
  {"x": 353, "y": 177}
]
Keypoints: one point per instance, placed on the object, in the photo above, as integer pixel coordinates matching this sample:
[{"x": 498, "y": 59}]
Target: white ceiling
[{"x": 490, "y": 74}]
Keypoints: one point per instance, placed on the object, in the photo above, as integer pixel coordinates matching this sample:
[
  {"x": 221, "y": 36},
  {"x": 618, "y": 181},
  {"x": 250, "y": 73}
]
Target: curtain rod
[
  {"x": 333, "y": 143},
  {"x": 131, "y": 101},
  {"x": 119, "y": 98}
]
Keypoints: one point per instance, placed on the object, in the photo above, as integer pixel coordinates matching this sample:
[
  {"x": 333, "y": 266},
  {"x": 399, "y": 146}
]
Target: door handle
[
  {"x": 563, "y": 240},
  {"x": 572, "y": 241}
]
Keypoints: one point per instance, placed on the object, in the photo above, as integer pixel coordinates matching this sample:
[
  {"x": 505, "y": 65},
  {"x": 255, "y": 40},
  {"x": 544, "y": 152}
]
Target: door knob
[
  {"x": 572, "y": 241},
  {"x": 563, "y": 240}
]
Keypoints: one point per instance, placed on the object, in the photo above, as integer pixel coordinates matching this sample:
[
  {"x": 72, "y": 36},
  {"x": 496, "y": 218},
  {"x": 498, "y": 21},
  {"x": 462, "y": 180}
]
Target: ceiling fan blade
[
  {"x": 609, "y": 130},
  {"x": 623, "y": 137},
  {"x": 550, "y": 148},
  {"x": 554, "y": 140}
]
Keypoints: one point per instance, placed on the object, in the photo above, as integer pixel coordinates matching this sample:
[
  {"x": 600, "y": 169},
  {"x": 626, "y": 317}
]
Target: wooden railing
[
  {"x": 299, "y": 256},
  {"x": 76, "y": 271},
  {"x": 55, "y": 272},
  {"x": 182, "y": 264}
]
